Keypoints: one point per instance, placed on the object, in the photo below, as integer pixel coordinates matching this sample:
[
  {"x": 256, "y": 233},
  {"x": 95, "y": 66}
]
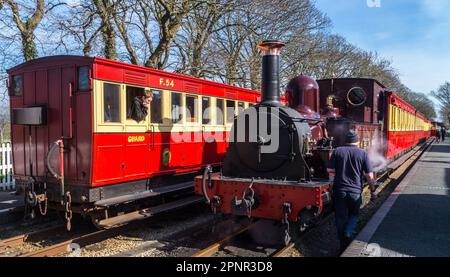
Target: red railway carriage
[
  {"x": 81, "y": 104},
  {"x": 406, "y": 126}
]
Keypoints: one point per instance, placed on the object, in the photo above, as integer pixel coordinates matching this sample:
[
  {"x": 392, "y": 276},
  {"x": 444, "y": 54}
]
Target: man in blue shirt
[{"x": 349, "y": 165}]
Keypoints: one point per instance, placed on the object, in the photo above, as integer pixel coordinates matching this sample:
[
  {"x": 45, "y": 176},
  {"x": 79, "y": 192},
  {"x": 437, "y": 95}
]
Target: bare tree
[
  {"x": 148, "y": 28},
  {"x": 104, "y": 9},
  {"x": 26, "y": 26},
  {"x": 194, "y": 36},
  {"x": 79, "y": 27},
  {"x": 443, "y": 96},
  {"x": 238, "y": 61}
]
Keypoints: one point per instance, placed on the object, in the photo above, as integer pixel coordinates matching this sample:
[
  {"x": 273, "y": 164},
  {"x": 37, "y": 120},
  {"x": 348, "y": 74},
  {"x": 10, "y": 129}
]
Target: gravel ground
[{"x": 144, "y": 240}]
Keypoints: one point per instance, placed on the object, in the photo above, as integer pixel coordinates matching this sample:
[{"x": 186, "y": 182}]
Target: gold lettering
[
  {"x": 167, "y": 82},
  {"x": 136, "y": 138}
]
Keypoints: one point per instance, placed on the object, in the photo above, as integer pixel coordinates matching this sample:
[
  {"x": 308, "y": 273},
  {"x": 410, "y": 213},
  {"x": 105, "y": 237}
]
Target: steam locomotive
[{"x": 275, "y": 164}]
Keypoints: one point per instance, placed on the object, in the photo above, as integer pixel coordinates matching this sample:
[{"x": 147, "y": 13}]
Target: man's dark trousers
[{"x": 347, "y": 207}]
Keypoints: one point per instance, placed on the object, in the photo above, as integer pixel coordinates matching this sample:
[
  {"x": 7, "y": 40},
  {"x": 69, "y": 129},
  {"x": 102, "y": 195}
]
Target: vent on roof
[{"x": 135, "y": 78}]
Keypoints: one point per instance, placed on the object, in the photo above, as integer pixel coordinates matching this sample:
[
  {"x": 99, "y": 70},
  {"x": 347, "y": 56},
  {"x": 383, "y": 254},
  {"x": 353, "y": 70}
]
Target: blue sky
[{"x": 413, "y": 34}]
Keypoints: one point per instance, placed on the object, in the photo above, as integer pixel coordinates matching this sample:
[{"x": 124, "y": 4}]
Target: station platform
[{"x": 415, "y": 220}]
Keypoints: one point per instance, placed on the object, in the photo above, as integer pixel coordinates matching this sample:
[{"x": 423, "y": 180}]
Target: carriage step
[
  {"x": 149, "y": 212},
  {"x": 142, "y": 195}
]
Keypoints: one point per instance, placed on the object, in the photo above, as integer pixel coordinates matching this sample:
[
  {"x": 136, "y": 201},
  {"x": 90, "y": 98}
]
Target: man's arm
[
  {"x": 371, "y": 180},
  {"x": 370, "y": 177}
]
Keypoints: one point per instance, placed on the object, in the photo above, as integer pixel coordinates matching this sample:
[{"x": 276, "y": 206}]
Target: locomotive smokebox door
[{"x": 30, "y": 116}]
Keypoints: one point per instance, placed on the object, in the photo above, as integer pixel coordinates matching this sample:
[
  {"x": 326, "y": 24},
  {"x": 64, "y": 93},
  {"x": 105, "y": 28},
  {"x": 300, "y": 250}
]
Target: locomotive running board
[
  {"x": 149, "y": 212},
  {"x": 104, "y": 203}
]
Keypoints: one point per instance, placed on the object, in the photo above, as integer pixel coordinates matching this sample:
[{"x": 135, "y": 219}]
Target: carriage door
[
  {"x": 60, "y": 93},
  {"x": 154, "y": 134},
  {"x": 136, "y": 136}
]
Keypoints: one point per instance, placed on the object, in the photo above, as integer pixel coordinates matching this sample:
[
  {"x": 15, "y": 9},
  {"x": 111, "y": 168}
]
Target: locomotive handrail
[
  {"x": 53, "y": 147},
  {"x": 206, "y": 173}
]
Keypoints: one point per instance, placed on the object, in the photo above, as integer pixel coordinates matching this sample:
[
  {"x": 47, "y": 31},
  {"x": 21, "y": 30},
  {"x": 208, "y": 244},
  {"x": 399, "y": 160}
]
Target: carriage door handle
[{"x": 152, "y": 143}]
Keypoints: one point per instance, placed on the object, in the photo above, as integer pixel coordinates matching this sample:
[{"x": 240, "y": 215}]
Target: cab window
[
  {"x": 156, "y": 107},
  {"x": 241, "y": 107},
  {"x": 111, "y": 100},
  {"x": 230, "y": 111},
  {"x": 133, "y": 93},
  {"x": 176, "y": 107},
  {"x": 206, "y": 110},
  {"x": 16, "y": 89},
  {"x": 220, "y": 112},
  {"x": 84, "y": 83},
  {"x": 191, "y": 108}
]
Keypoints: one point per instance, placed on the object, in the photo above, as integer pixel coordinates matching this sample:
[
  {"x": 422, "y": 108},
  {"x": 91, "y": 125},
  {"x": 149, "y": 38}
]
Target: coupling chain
[{"x": 68, "y": 210}]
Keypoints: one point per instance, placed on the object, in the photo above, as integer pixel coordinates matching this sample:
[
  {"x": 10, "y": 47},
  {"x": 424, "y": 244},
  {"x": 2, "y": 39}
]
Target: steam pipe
[{"x": 270, "y": 82}]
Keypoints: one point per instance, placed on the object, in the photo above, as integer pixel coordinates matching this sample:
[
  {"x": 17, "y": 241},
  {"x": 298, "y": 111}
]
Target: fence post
[{"x": 7, "y": 181}]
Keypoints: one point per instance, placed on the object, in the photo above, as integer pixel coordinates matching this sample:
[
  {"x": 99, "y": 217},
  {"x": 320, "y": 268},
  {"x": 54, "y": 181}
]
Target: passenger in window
[
  {"x": 107, "y": 116},
  {"x": 140, "y": 106}
]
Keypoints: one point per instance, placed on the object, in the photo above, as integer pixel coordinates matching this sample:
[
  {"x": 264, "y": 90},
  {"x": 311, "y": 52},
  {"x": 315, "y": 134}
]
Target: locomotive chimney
[{"x": 270, "y": 83}]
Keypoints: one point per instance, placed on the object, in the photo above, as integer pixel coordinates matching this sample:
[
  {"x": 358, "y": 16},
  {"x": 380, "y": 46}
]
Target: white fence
[{"x": 6, "y": 179}]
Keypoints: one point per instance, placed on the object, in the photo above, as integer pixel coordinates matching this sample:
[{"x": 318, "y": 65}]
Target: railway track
[
  {"x": 55, "y": 240},
  {"x": 394, "y": 172},
  {"x": 75, "y": 243},
  {"x": 215, "y": 247}
]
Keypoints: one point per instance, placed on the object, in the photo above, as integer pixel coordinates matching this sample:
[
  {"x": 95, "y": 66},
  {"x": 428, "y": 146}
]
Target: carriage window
[
  {"x": 241, "y": 107},
  {"x": 230, "y": 111},
  {"x": 191, "y": 108},
  {"x": 134, "y": 95},
  {"x": 156, "y": 107},
  {"x": 220, "y": 112},
  {"x": 176, "y": 107},
  {"x": 17, "y": 85},
  {"x": 356, "y": 96},
  {"x": 111, "y": 100},
  {"x": 84, "y": 83},
  {"x": 206, "y": 110}
]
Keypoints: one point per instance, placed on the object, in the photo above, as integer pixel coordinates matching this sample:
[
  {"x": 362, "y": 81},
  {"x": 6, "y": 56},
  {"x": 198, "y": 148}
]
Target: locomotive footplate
[{"x": 263, "y": 198}]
